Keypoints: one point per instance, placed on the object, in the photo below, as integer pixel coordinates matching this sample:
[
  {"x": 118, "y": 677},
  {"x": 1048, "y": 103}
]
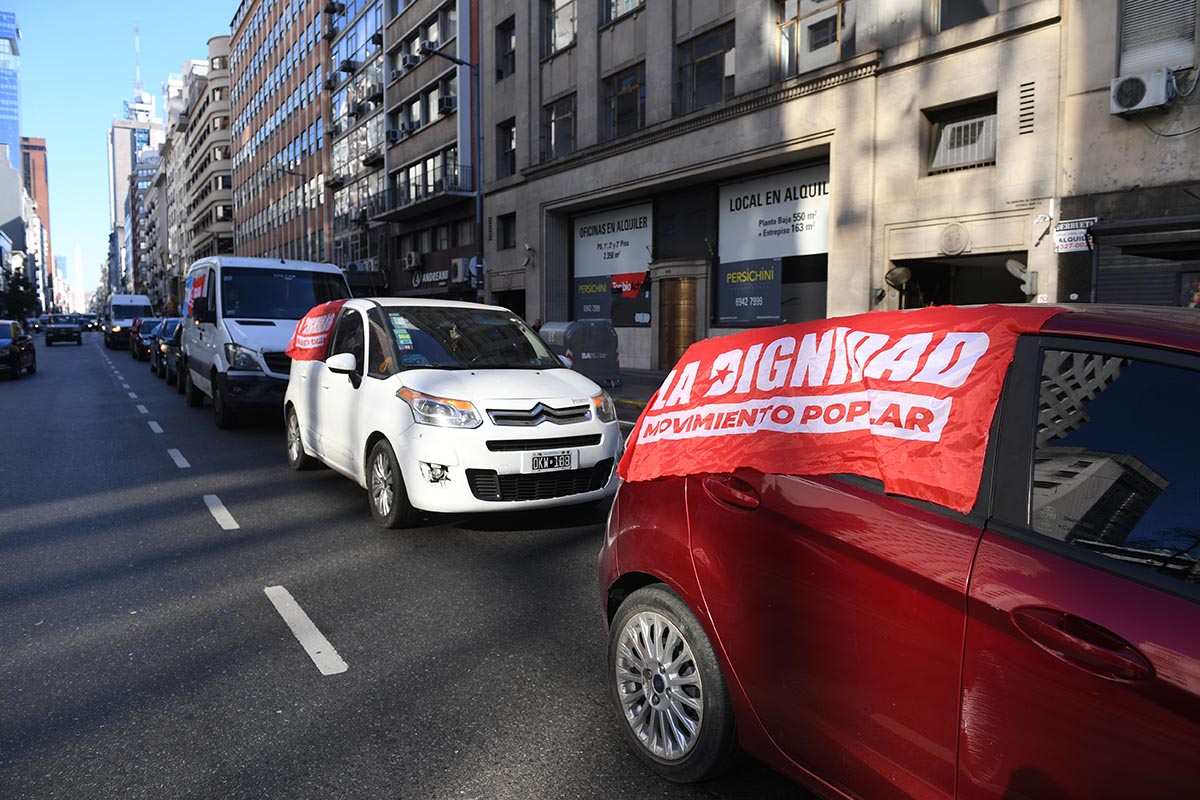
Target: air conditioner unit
[
  {"x": 335, "y": 180},
  {"x": 460, "y": 270},
  {"x": 1141, "y": 91},
  {"x": 447, "y": 104},
  {"x": 377, "y": 37},
  {"x": 372, "y": 157},
  {"x": 361, "y": 215},
  {"x": 427, "y": 46},
  {"x": 394, "y": 135},
  {"x": 331, "y": 32},
  {"x": 334, "y": 7},
  {"x": 411, "y": 126},
  {"x": 396, "y": 74},
  {"x": 412, "y": 260},
  {"x": 331, "y": 82},
  {"x": 348, "y": 65},
  {"x": 408, "y": 61},
  {"x": 374, "y": 91},
  {"x": 335, "y": 129}
]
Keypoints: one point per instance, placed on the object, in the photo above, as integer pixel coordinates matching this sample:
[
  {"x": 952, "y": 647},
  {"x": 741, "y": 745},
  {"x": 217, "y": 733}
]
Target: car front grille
[
  {"x": 540, "y": 413},
  {"x": 278, "y": 362},
  {"x": 524, "y": 445},
  {"x": 486, "y": 484}
]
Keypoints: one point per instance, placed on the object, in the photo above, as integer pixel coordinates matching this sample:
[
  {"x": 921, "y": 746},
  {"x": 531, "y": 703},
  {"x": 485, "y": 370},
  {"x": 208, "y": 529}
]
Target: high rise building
[
  {"x": 139, "y": 130},
  {"x": 279, "y": 107},
  {"x": 36, "y": 176},
  {"x": 208, "y": 159},
  {"x": 171, "y": 201},
  {"x": 10, "y": 68}
]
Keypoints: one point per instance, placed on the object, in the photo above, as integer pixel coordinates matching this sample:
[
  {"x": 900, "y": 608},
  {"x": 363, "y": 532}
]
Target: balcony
[{"x": 442, "y": 189}]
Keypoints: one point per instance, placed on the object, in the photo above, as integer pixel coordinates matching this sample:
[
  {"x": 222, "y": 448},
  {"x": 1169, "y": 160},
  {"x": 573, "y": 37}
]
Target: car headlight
[
  {"x": 440, "y": 411},
  {"x": 240, "y": 357},
  {"x": 606, "y": 411},
  {"x": 3, "y": 351},
  {"x": 116, "y": 329}
]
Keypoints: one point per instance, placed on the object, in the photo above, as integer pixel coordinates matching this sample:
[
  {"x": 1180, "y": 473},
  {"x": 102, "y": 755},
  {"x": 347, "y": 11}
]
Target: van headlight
[
  {"x": 606, "y": 411},
  {"x": 440, "y": 411},
  {"x": 240, "y": 357}
]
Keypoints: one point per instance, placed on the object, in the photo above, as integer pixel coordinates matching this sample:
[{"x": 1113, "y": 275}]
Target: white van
[
  {"x": 240, "y": 314},
  {"x": 122, "y": 310}
]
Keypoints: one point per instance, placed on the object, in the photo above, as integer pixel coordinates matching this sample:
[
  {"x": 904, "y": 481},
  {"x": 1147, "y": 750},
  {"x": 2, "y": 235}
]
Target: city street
[{"x": 147, "y": 560}]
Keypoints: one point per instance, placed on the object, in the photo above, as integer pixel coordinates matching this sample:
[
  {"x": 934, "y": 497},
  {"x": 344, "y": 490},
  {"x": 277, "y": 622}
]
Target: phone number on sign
[{"x": 747, "y": 302}]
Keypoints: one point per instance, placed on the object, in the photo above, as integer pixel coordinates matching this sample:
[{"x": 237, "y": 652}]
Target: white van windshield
[
  {"x": 277, "y": 293},
  {"x": 129, "y": 312}
]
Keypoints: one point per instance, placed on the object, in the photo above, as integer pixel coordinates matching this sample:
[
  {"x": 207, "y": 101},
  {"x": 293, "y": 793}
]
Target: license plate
[{"x": 551, "y": 461}]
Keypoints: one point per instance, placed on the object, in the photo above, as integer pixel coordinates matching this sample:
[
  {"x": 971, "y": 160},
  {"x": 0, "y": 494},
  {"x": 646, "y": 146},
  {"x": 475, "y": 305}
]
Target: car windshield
[
  {"x": 277, "y": 293},
  {"x": 452, "y": 338},
  {"x": 62, "y": 319},
  {"x": 148, "y": 325},
  {"x": 129, "y": 312},
  {"x": 168, "y": 328}
]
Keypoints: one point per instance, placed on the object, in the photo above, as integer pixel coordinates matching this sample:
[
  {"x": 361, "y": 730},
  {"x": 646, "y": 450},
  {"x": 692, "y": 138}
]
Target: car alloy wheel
[
  {"x": 385, "y": 488},
  {"x": 668, "y": 687},
  {"x": 297, "y": 458}
]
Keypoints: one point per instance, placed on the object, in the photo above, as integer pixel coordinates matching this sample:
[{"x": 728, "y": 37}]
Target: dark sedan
[
  {"x": 160, "y": 338},
  {"x": 1037, "y": 637},
  {"x": 62, "y": 328},
  {"x": 17, "y": 352},
  {"x": 139, "y": 337}
]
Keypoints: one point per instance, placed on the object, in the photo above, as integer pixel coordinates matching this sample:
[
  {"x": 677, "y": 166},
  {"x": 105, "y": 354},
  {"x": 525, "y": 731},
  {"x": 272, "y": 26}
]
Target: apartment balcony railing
[{"x": 435, "y": 190}]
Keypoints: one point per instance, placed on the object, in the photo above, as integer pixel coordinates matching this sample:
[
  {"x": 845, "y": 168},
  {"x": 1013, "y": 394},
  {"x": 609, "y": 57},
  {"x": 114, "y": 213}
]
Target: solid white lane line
[
  {"x": 220, "y": 513},
  {"x": 154, "y": 426},
  {"x": 178, "y": 458},
  {"x": 142, "y": 410},
  {"x": 133, "y": 395},
  {"x": 312, "y": 640}
]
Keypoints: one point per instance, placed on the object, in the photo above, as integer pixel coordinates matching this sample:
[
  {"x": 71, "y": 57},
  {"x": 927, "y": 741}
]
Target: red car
[{"x": 1046, "y": 643}]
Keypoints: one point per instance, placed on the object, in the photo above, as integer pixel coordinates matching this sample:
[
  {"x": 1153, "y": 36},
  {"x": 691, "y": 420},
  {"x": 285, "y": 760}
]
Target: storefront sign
[
  {"x": 1071, "y": 235},
  {"x": 775, "y": 216},
  {"x": 906, "y": 397},
  {"x": 613, "y": 248},
  {"x": 440, "y": 277},
  {"x": 748, "y": 292}
]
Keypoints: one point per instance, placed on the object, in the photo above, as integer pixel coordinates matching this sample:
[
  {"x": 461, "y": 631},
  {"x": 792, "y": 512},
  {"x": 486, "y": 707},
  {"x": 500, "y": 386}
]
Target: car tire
[
  {"x": 691, "y": 699},
  {"x": 223, "y": 415},
  {"x": 178, "y": 381},
  {"x": 15, "y": 370},
  {"x": 297, "y": 458},
  {"x": 385, "y": 489},
  {"x": 193, "y": 396},
  {"x": 32, "y": 368}
]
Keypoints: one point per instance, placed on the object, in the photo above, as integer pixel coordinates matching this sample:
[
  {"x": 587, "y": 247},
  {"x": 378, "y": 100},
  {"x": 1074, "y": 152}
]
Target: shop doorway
[
  {"x": 513, "y": 300},
  {"x": 962, "y": 281},
  {"x": 677, "y": 318}
]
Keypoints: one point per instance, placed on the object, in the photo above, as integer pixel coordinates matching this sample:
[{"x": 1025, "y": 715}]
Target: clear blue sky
[{"x": 77, "y": 68}]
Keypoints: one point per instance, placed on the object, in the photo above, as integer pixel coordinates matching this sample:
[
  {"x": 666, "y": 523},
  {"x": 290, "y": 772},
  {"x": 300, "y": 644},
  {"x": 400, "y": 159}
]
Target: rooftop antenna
[{"x": 137, "y": 61}]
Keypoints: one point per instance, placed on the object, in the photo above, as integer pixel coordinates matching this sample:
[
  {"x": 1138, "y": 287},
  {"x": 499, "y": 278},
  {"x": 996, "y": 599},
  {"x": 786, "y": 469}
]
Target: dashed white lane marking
[
  {"x": 124, "y": 385},
  {"x": 133, "y": 395},
  {"x": 178, "y": 458},
  {"x": 154, "y": 426},
  {"x": 220, "y": 513},
  {"x": 312, "y": 640},
  {"x": 143, "y": 410}
]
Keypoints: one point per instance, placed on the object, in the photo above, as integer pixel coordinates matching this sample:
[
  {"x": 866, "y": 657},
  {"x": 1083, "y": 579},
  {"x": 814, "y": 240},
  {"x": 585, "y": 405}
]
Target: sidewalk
[{"x": 637, "y": 387}]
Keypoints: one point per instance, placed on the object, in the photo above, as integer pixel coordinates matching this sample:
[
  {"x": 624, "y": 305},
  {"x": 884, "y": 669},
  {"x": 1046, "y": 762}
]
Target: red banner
[
  {"x": 311, "y": 339},
  {"x": 906, "y": 397}
]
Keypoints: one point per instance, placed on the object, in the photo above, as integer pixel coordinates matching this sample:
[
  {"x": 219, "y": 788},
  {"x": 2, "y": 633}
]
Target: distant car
[
  {"x": 172, "y": 358},
  {"x": 449, "y": 407},
  {"x": 1043, "y": 643},
  {"x": 17, "y": 351},
  {"x": 140, "y": 334},
  {"x": 89, "y": 322},
  {"x": 62, "y": 328},
  {"x": 159, "y": 338},
  {"x": 32, "y": 326}
]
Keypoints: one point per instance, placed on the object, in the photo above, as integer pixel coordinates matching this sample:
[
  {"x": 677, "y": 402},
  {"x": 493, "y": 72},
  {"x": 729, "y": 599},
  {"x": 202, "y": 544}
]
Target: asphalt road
[{"x": 142, "y": 655}]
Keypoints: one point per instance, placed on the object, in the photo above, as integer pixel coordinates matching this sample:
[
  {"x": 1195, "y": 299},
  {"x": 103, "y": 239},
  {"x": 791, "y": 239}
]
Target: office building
[
  {"x": 10, "y": 72},
  {"x": 139, "y": 130},
  {"x": 208, "y": 157},
  {"x": 36, "y": 177}
]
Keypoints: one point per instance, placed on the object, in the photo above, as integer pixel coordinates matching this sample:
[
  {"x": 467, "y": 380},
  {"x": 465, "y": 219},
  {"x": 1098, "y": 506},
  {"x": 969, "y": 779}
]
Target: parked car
[
  {"x": 17, "y": 351},
  {"x": 1043, "y": 643},
  {"x": 62, "y": 328},
  {"x": 172, "y": 358},
  {"x": 448, "y": 407},
  {"x": 140, "y": 334},
  {"x": 159, "y": 338}
]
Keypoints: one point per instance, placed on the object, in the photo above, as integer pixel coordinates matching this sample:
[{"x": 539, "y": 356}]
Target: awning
[{"x": 1171, "y": 238}]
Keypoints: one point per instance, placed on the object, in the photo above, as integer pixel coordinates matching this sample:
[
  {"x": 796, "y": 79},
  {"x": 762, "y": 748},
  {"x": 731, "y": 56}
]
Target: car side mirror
[
  {"x": 566, "y": 362},
  {"x": 342, "y": 363}
]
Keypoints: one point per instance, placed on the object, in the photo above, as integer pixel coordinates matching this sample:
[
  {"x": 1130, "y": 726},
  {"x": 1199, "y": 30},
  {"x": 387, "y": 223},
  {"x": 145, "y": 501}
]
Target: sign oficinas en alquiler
[{"x": 904, "y": 397}]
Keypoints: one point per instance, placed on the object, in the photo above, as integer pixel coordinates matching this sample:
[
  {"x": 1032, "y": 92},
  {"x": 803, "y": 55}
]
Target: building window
[
  {"x": 506, "y": 231},
  {"x": 614, "y": 9},
  {"x": 952, "y": 13},
  {"x": 558, "y": 128},
  {"x": 506, "y": 48},
  {"x": 506, "y": 148},
  {"x": 1155, "y": 35},
  {"x": 812, "y": 34},
  {"x": 624, "y": 109},
  {"x": 706, "y": 68},
  {"x": 558, "y": 25},
  {"x": 963, "y": 137}
]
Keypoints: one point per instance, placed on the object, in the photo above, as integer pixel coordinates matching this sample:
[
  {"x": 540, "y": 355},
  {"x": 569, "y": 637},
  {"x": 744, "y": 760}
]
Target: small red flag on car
[{"x": 311, "y": 338}]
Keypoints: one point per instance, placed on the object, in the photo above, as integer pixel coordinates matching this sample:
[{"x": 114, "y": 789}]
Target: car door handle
[
  {"x": 732, "y": 491},
  {"x": 1083, "y": 644}
]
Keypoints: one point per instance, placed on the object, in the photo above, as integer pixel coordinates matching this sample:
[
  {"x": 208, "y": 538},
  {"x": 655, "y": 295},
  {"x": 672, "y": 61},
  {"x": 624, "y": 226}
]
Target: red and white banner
[
  {"x": 906, "y": 397},
  {"x": 311, "y": 339}
]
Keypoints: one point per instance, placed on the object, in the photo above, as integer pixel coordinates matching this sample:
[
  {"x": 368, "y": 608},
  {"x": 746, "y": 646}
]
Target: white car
[{"x": 446, "y": 406}]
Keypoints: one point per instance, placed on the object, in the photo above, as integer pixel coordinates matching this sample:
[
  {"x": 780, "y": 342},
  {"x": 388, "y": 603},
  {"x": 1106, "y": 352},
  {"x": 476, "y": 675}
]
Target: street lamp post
[
  {"x": 303, "y": 200},
  {"x": 475, "y": 113}
]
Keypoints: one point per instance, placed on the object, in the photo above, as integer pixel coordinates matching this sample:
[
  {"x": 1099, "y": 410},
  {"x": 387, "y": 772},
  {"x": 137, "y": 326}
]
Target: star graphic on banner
[{"x": 719, "y": 375}]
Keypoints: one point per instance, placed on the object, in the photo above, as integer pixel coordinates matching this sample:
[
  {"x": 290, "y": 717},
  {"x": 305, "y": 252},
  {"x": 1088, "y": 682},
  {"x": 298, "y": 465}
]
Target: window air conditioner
[
  {"x": 412, "y": 260},
  {"x": 411, "y": 126},
  {"x": 460, "y": 270},
  {"x": 394, "y": 135},
  {"x": 396, "y": 74},
  {"x": 447, "y": 104},
  {"x": 427, "y": 46},
  {"x": 348, "y": 65},
  {"x": 1141, "y": 91},
  {"x": 408, "y": 61}
]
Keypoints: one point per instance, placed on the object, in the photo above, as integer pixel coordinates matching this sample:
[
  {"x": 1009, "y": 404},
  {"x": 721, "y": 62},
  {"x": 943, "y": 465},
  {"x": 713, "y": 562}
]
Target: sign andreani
[{"x": 903, "y": 397}]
